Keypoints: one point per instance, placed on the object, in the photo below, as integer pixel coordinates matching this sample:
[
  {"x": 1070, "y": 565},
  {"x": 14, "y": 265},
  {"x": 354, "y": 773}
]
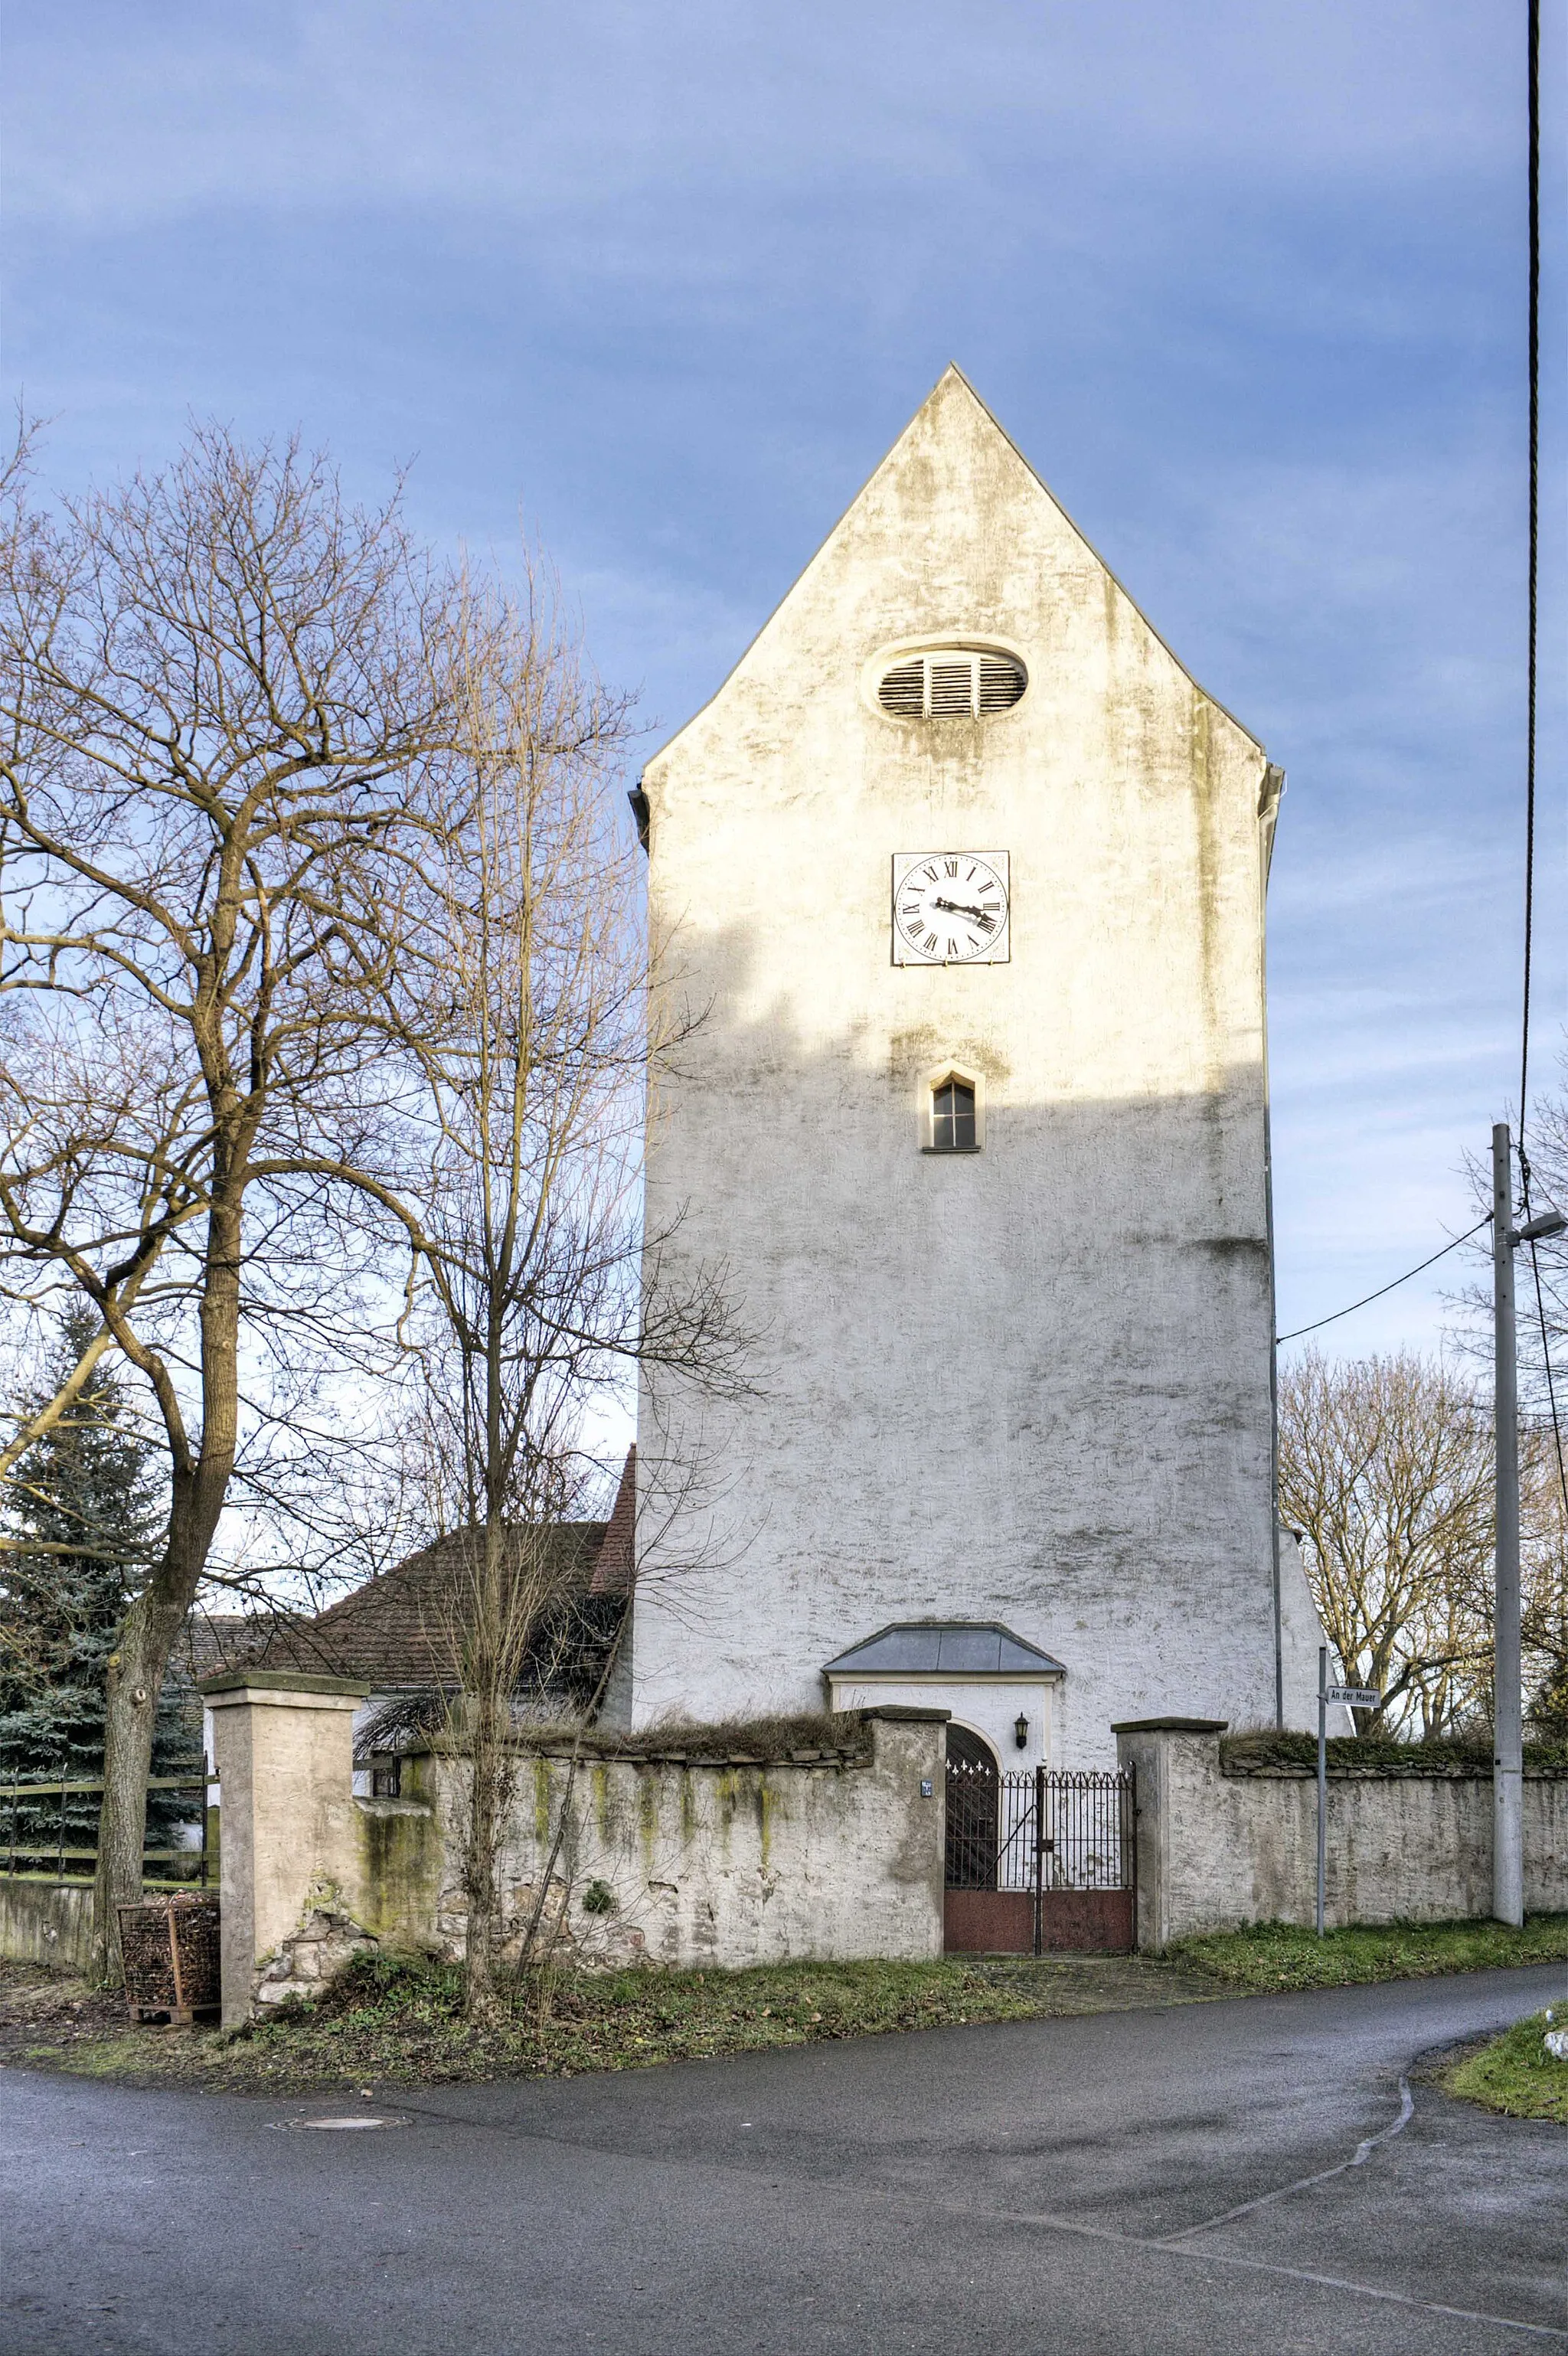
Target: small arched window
[
  {"x": 952, "y": 1110},
  {"x": 952, "y": 683},
  {"x": 951, "y": 1116}
]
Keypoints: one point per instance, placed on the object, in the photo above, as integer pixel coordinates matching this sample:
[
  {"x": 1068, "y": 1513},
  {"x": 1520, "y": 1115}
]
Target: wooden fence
[{"x": 25, "y": 1852}]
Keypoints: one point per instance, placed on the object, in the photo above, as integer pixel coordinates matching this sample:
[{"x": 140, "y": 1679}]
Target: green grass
[
  {"x": 1515, "y": 2074},
  {"x": 1273, "y": 1955},
  {"x": 393, "y": 2022}
]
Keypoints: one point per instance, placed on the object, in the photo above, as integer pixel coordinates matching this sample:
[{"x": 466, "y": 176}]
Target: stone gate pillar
[
  {"x": 284, "y": 1747},
  {"x": 1185, "y": 1865}
]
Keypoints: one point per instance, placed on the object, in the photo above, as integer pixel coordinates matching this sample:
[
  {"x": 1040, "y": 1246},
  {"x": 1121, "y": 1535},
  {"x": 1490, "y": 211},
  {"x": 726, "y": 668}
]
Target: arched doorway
[{"x": 974, "y": 1811}]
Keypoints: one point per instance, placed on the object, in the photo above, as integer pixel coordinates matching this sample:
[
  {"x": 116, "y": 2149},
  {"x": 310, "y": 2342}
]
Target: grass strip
[
  {"x": 393, "y": 2021},
  {"x": 1274, "y": 1955},
  {"x": 1514, "y": 2073}
]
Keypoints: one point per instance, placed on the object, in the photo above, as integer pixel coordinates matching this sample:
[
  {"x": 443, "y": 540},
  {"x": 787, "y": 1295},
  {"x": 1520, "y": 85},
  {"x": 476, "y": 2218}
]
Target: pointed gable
[{"x": 950, "y": 498}]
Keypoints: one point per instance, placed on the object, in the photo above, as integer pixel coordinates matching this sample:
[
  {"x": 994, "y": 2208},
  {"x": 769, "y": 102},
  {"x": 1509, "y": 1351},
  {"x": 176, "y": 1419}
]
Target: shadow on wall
[{"x": 1028, "y": 1381}]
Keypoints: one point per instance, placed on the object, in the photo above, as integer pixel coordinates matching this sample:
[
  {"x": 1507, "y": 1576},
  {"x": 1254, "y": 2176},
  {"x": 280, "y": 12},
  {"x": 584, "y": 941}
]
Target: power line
[
  {"x": 1533, "y": 75},
  {"x": 1391, "y": 1287},
  {"x": 1533, "y": 71}
]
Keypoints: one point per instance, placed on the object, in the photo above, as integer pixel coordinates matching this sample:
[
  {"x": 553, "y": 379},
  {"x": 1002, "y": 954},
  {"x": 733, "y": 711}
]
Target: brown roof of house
[
  {"x": 398, "y": 1630},
  {"x": 395, "y": 1631},
  {"x": 615, "y": 1569},
  {"x": 208, "y": 1642}
]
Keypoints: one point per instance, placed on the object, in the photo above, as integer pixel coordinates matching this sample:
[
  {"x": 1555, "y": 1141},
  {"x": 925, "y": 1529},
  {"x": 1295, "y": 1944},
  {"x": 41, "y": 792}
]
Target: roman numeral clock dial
[{"x": 950, "y": 907}]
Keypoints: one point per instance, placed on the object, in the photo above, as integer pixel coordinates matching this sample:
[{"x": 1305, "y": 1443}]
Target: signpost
[{"x": 1353, "y": 1698}]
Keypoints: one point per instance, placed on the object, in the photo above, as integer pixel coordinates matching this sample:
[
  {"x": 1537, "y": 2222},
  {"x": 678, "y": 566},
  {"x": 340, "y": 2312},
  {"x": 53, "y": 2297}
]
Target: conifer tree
[{"x": 83, "y": 1517}]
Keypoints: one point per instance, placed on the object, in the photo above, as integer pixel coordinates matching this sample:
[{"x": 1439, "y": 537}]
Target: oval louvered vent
[
  {"x": 951, "y": 683},
  {"x": 903, "y": 689},
  {"x": 1001, "y": 682}
]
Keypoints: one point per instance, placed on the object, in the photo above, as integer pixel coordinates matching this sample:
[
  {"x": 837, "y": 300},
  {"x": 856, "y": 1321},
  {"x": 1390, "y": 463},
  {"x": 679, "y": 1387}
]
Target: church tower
[{"x": 964, "y": 875}]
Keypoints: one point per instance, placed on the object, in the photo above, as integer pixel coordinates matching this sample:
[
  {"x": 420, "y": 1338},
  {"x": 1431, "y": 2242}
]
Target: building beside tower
[{"x": 964, "y": 875}]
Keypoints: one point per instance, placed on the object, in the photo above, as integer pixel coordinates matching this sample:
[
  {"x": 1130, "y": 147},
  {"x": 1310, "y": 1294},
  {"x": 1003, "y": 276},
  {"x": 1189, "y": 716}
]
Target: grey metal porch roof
[{"x": 960, "y": 1647}]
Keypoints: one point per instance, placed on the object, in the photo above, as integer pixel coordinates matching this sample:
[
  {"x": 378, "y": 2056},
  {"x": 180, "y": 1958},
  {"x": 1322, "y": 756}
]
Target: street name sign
[{"x": 1350, "y": 1697}]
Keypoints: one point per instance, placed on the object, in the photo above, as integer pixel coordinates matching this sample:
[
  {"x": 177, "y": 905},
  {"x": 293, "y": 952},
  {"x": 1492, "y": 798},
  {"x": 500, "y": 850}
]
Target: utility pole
[
  {"x": 1507, "y": 1760},
  {"x": 1507, "y": 1756}
]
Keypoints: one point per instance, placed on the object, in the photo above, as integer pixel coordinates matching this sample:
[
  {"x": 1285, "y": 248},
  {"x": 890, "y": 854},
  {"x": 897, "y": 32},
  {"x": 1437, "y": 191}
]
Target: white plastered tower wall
[{"x": 1029, "y": 1384}]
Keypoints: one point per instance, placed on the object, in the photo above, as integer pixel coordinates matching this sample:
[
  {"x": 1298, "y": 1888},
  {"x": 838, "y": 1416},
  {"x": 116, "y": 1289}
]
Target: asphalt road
[{"x": 1243, "y": 2177}]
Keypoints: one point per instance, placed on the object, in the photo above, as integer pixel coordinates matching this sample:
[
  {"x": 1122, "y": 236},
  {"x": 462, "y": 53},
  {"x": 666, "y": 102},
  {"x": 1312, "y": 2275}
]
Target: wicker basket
[{"x": 170, "y": 1947}]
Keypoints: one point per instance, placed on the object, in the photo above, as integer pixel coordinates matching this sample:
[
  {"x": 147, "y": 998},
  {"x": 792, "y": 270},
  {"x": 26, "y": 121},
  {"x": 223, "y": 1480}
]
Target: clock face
[{"x": 950, "y": 907}]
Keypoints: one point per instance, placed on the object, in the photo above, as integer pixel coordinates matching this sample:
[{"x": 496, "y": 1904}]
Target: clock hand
[{"x": 961, "y": 909}]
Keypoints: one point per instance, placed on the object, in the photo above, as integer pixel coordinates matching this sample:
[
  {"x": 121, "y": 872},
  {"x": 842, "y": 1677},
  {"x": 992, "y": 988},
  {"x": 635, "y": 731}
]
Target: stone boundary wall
[
  {"x": 46, "y": 1921},
  {"x": 670, "y": 1857},
  {"x": 679, "y": 1860},
  {"x": 1220, "y": 1848}
]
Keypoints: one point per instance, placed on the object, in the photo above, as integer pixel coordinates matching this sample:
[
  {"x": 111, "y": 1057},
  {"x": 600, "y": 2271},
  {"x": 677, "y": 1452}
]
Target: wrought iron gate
[{"x": 1039, "y": 1861}]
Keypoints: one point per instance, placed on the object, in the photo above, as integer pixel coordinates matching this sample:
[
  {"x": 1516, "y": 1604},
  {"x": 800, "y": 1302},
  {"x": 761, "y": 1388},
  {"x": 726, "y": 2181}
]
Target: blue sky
[{"x": 1246, "y": 283}]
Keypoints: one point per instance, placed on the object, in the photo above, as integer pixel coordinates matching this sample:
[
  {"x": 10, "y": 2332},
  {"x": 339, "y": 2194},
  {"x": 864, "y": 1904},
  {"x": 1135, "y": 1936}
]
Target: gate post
[
  {"x": 1040, "y": 1858},
  {"x": 283, "y": 1749},
  {"x": 1167, "y": 1756}
]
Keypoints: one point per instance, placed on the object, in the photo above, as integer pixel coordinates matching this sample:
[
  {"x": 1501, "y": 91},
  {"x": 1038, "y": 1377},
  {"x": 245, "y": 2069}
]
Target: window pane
[{"x": 953, "y": 1115}]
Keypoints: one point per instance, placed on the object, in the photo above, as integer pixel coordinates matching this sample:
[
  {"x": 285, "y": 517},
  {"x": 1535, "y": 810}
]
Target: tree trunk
[
  {"x": 481, "y": 2002},
  {"x": 490, "y": 1724},
  {"x": 527, "y": 1951},
  {"x": 136, "y": 1671},
  {"x": 139, "y": 1663}
]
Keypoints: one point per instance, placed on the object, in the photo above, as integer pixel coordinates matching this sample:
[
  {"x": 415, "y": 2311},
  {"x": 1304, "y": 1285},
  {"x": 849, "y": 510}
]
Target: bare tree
[
  {"x": 222, "y": 704},
  {"x": 525, "y": 1017},
  {"x": 1386, "y": 1469},
  {"x": 1543, "y": 1298},
  {"x": 1542, "y": 1272},
  {"x": 1540, "y": 1279},
  {"x": 522, "y": 1018},
  {"x": 1543, "y": 1563}
]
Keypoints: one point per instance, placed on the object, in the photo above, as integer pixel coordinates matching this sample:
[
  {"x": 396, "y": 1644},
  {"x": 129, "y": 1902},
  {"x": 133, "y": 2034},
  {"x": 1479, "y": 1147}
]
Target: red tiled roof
[
  {"x": 615, "y": 1573},
  {"x": 398, "y": 1630},
  {"x": 395, "y": 1632},
  {"x": 208, "y": 1642}
]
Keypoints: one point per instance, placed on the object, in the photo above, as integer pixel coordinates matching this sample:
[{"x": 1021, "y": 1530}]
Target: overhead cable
[
  {"x": 1533, "y": 75},
  {"x": 1532, "y": 69},
  {"x": 1391, "y": 1287}
]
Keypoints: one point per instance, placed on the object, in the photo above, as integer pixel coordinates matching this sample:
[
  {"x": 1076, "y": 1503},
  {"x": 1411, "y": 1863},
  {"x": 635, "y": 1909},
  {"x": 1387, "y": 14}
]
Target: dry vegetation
[
  {"x": 1385, "y": 1470},
  {"x": 834, "y": 1734},
  {"x": 1376, "y": 1753},
  {"x": 398, "y": 2023}
]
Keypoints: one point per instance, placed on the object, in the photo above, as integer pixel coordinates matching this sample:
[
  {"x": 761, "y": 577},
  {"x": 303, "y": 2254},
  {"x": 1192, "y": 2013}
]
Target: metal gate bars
[
  {"x": 1086, "y": 1877},
  {"x": 1039, "y": 1862}
]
